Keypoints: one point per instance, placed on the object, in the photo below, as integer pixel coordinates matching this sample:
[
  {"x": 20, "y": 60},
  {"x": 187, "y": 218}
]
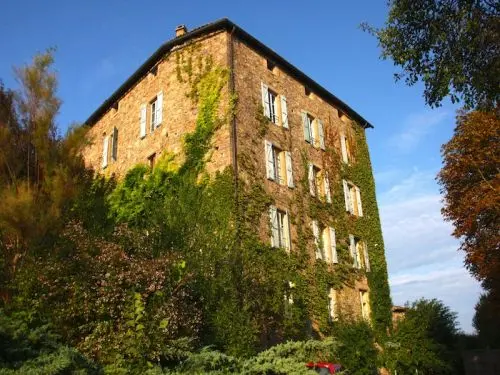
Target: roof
[{"x": 225, "y": 24}]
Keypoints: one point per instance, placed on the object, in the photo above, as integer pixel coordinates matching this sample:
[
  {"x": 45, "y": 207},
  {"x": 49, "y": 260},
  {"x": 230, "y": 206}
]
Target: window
[
  {"x": 365, "y": 304},
  {"x": 151, "y": 160},
  {"x": 326, "y": 246},
  {"x": 155, "y": 109},
  {"x": 280, "y": 228},
  {"x": 352, "y": 197},
  {"x": 313, "y": 130},
  {"x": 359, "y": 253},
  {"x": 105, "y": 147},
  {"x": 279, "y": 166},
  {"x": 275, "y": 107},
  {"x": 114, "y": 145},
  {"x": 289, "y": 292},
  {"x": 109, "y": 142},
  {"x": 307, "y": 91},
  {"x": 319, "y": 185},
  {"x": 329, "y": 245},
  {"x": 270, "y": 65},
  {"x": 345, "y": 148},
  {"x": 332, "y": 305}
]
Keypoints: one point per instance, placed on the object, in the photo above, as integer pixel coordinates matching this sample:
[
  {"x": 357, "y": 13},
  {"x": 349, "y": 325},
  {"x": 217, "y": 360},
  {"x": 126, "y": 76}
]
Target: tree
[
  {"x": 451, "y": 45},
  {"x": 40, "y": 172},
  {"x": 486, "y": 319},
  {"x": 425, "y": 340},
  {"x": 470, "y": 182}
]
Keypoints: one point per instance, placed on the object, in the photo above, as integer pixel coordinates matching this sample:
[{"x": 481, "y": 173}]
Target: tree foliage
[
  {"x": 452, "y": 46},
  {"x": 424, "y": 341},
  {"x": 486, "y": 319},
  {"x": 40, "y": 173},
  {"x": 470, "y": 181}
]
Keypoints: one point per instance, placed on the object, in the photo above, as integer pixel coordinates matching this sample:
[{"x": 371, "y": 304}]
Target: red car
[{"x": 324, "y": 368}]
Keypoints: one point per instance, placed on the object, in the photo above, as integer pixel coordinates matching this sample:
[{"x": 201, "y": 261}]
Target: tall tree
[
  {"x": 450, "y": 45},
  {"x": 39, "y": 171},
  {"x": 470, "y": 181}
]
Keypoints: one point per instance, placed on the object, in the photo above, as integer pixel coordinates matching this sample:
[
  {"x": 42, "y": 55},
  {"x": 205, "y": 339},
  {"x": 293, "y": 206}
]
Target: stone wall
[
  {"x": 251, "y": 70},
  {"x": 179, "y": 116}
]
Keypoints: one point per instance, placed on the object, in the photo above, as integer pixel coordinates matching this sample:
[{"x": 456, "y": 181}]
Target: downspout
[
  {"x": 238, "y": 261},
  {"x": 234, "y": 143}
]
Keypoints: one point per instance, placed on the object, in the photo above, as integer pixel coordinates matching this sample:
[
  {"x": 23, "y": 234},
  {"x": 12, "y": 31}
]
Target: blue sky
[{"x": 100, "y": 43}]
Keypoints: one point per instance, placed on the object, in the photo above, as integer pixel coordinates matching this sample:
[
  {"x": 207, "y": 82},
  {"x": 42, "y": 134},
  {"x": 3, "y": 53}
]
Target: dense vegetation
[
  {"x": 452, "y": 47},
  {"x": 161, "y": 272}
]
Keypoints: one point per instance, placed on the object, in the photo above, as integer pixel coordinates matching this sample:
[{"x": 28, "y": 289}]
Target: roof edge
[{"x": 224, "y": 24}]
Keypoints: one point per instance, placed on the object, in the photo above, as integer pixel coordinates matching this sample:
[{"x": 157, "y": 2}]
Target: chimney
[{"x": 180, "y": 30}]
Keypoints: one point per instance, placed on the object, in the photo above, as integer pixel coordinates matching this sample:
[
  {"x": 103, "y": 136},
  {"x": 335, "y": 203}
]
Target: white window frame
[
  {"x": 280, "y": 228},
  {"x": 345, "y": 149},
  {"x": 105, "y": 151},
  {"x": 279, "y": 167},
  {"x": 319, "y": 184},
  {"x": 274, "y": 106},
  {"x": 364, "y": 299},
  {"x": 314, "y": 131},
  {"x": 332, "y": 305},
  {"x": 352, "y": 197}
]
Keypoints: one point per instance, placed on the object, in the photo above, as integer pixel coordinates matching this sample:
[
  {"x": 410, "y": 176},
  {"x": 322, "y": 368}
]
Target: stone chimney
[{"x": 180, "y": 30}]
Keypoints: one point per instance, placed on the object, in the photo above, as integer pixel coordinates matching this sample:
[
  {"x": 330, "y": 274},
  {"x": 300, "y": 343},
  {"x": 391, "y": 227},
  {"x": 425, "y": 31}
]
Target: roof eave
[{"x": 224, "y": 24}]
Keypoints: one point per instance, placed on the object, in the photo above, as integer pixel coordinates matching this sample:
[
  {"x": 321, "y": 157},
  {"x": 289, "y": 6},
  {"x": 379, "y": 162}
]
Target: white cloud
[
  {"x": 422, "y": 256},
  {"x": 416, "y": 127}
]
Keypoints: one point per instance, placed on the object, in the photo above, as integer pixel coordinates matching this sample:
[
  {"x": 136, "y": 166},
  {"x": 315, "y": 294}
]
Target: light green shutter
[{"x": 307, "y": 127}]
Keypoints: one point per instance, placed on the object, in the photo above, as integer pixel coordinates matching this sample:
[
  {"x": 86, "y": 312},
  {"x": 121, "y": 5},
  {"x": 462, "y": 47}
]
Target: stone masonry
[{"x": 250, "y": 69}]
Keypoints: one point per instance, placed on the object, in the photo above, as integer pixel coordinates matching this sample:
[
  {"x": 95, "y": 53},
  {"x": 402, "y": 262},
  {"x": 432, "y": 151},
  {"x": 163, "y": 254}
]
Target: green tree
[
  {"x": 452, "y": 46},
  {"x": 425, "y": 340},
  {"x": 486, "y": 319}
]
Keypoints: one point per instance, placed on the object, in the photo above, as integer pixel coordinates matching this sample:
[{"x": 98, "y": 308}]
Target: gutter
[{"x": 225, "y": 24}]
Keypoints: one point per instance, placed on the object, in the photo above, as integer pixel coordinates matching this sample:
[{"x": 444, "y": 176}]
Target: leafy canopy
[
  {"x": 452, "y": 46},
  {"x": 470, "y": 182}
]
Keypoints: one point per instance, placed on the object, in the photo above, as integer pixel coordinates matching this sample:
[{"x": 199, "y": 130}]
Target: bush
[{"x": 26, "y": 348}]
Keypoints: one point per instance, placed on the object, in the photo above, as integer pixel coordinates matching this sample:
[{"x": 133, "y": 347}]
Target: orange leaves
[{"x": 470, "y": 180}]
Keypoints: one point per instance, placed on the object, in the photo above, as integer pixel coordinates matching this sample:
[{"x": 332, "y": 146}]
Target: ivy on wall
[{"x": 252, "y": 296}]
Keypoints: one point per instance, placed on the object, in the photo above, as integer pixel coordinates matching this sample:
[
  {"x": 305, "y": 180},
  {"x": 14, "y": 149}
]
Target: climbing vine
[{"x": 253, "y": 295}]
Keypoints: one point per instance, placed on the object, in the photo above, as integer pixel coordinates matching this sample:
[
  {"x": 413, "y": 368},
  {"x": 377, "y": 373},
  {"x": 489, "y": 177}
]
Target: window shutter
[
  {"x": 367, "y": 258},
  {"x": 289, "y": 169},
  {"x": 352, "y": 247},
  {"x": 284, "y": 112},
  {"x": 265, "y": 100},
  {"x": 273, "y": 215},
  {"x": 269, "y": 160},
  {"x": 159, "y": 109},
  {"x": 312, "y": 183},
  {"x": 358, "y": 199},
  {"x": 347, "y": 197},
  {"x": 105, "y": 145},
  {"x": 286, "y": 232},
  {"x": 307, "y": 127},
  {"x": 315, "y": 229},
  {"x": 142, "y": 121},
  {"x": 328, "y": 195},
  {"x": 343, "y": 148},
  {"x": 333, "y": 246},
  {"x": 114, "y": 145},
  {"x": 321, "y": 134}
]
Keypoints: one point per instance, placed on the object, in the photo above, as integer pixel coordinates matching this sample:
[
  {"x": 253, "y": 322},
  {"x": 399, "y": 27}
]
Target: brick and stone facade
[{"x": 251, "y": 64}]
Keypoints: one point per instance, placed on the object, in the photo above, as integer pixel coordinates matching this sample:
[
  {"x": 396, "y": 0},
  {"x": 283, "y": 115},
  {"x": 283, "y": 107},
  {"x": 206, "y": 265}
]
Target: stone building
[{"x": 288, "y": 133}]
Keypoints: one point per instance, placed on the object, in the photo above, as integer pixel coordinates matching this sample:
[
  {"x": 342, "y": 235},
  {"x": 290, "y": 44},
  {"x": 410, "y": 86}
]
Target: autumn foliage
[{"x": 470, "y": 181}]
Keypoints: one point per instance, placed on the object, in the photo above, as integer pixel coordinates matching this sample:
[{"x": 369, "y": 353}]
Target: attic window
[
  {"x": 307, "y": 91},
  {"x": 115, "y": 105},
  {"x": 270, "y": 65},
  {"x": 154, "y": 70}
]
